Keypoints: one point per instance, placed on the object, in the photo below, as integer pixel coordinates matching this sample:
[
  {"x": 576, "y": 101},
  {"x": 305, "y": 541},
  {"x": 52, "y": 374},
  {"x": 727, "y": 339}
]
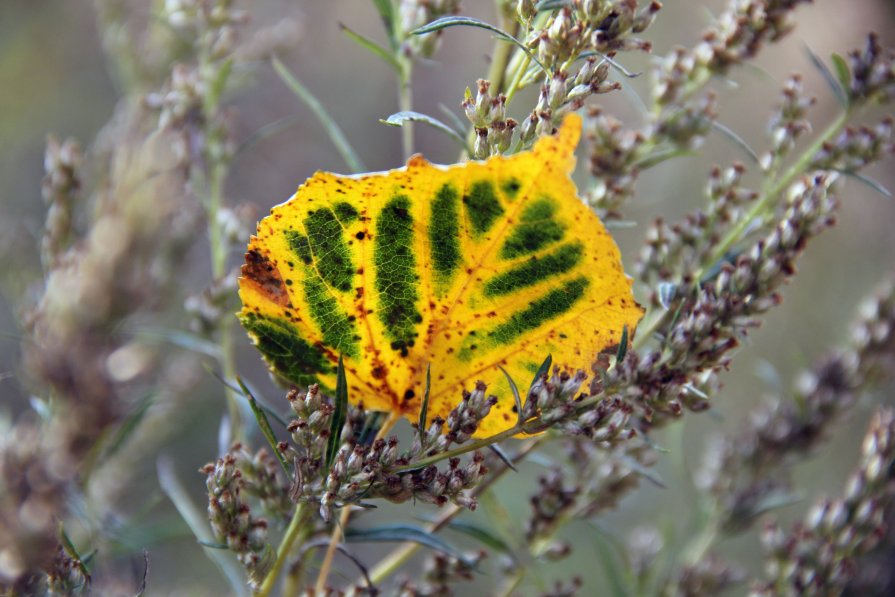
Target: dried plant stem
[
  {"x": 338, "y": 529},
  {"x": 397, "y": 558},
  {"x": 292, "y": 532}
]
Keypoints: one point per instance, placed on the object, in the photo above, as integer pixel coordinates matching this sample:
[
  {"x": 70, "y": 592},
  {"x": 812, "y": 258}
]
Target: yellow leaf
[{"x": 464, "y": 267}]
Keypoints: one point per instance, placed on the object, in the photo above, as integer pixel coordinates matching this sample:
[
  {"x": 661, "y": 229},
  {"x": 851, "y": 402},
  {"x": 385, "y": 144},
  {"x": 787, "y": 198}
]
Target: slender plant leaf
[
  {"x": 543, "y": 370},
  {"x": 198, "y": 523},
  {"x": 267, "y": 131},
  {"x": 262, "y": 403},
  {"x": 332, "y": 128},
  {"x": 739, "y": 141},
  {"x": 67, "y": 543},
  {"x": 371, "y": 46},
  {"x": 503, "y": 456},
  {"x": 456, "y": 122},
  {"x": 127, "y": 427},
  {"x": 545, "y": 5},
  {"x": 372, "y": 424},
  {"x": 402, "y": 533},
  {"x": 619, "y": 224},
  {"x": 831, "y": 79},
  {"x": 399, "y": 118},
  {"x": 145, "y": 581},
  {"x": 483, "y": 535},
  {"x": 843, "y": 74},
  {"x": 454, "y": 21},
  {"x": 220, "y": 81},
  {"x": 340, "y": 412},
  {"x": 873, "y": 184},
  {"x": 424, "y": 407},
  {"x": 264, "y": 424},
  {"x": 622, "y": 346},
  {"x": 608, "y": 552},
  {"x": 212, "y": 544},
  {"x": 515, "y": 391},
  {"x": 180, "y": 338},
  {"x": 387, "y": 13},
  {"x": 613, "y": 63}
]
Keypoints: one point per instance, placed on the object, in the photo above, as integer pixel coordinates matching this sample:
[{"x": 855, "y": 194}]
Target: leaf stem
[
  {"x": 397, "y": 558},
  {"x": 285, "y": 547},
  {"x": 405, "y": 104},
  {"x": 344, "y": 516}
]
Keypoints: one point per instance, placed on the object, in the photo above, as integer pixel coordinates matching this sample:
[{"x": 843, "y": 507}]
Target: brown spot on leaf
[{"x": 259, "y": 271}]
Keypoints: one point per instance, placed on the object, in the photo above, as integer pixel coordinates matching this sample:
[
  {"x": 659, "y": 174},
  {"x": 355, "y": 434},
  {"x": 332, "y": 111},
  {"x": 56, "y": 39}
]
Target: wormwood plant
[{"x": 288, "y": 495}]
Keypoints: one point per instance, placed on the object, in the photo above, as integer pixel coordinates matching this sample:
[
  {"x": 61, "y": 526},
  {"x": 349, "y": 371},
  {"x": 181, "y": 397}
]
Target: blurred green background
[{"x": 54, "y": 78}]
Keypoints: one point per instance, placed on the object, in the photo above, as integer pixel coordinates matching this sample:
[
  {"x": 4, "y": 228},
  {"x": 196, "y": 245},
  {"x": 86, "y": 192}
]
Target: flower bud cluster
[
  {"x": 674, "y": 252},
  {"x": 872, "y": 73},
  {"x": 232, "y": 521},
  {"x": 416, "y": 13},
  {"x": 614, "y": 151},
  {"x": 214, "y": 23},
  {"x": 553, "y": 501},
  {"x": 67, "y": 575},
  {"x": 462, "y": 422},
  {"x": 855, "y": 148},
  {"x": 60, "y": 187},
  {"x": 606, "y": 476},
  {"x": 263, "y": 479},
  {"x": 487, "y": 113},
  {"x": 788, "y": 123},
  {"x": 737, "y": 471},
  {"x": 601, "y": 25},
  {"x": 441, "y": 572},
  {"x": 818, "y": 554},
  {"x": 709, "y": 576},
  {"x": 208, "y": 308}
]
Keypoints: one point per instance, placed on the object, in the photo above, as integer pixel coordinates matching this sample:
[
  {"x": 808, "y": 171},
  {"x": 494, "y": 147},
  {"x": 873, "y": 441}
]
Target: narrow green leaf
[
  {"x": 67, "y": 543},
  {"x": 843, "y": 74},
  {"x": 454, "y": 21},
  {"x": 611, "y": 562},
  {"x": 212, "y": 544},
  {"x": 340, "y": 412},
  {"x": 387, "y": 12},
  {"x": 399, "y": 118},
  {"x": 739, "y": 141},
  {"x": 424, "y": 407},
  {"x": 264, "y": 424},
  {"x": 545, "y": 5},
  {"x": 267, "y": 131},
  {"x": 831, "y": 79},
  {"x": 404, "y": 532},
  {"x": 483, "y": 535},
  {"x": 873, "y": 184},
  {"x": 332, "y": 128},
  {"x": 127, "y": 427},
  {"x": 647, "y": 473},
  {"x": 543, "y": 370},
  {"x": 180, "y": 338},
  {"x": 456, "y": 122},
  {"x": 515, "y": 390},
  {"x": 498, "y": 451},
  {"x": 622, "y": 347},
  {"x": 220, "y": 82},
  {"x": 612, "y": 62},
  {"x": 371, "y": 46}
]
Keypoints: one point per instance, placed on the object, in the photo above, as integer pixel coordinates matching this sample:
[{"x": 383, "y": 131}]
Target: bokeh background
[{"x": 55, "y": 78}]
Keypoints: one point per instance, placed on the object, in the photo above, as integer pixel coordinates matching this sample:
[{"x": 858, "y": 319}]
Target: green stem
[
  {"x": 397, "y": 558},
  {"x": 770, "y": 196},
  {"x": 405, "y": 103},
  {"x": 292, "y": 532}
]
